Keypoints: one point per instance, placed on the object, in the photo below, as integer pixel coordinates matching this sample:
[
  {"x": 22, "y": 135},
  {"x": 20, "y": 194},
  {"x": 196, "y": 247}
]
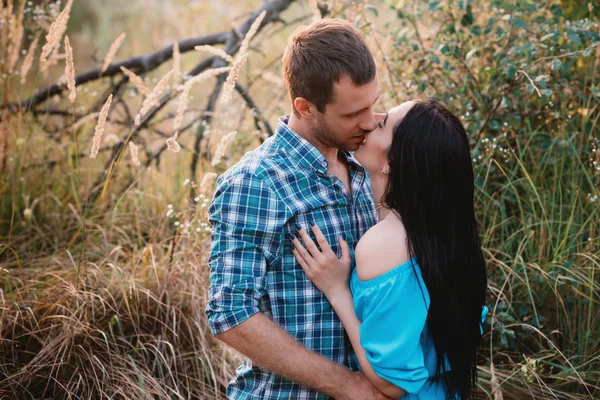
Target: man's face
[{"x": 349, "y": 116}]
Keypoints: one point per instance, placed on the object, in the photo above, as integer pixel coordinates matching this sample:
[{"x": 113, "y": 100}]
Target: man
[{"x": 260, "y": 301}]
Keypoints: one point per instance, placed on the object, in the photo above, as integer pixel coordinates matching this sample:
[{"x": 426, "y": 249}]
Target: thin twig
[
  {"x": 256, "y": 112},
  {"x": 530, "y": 81}
]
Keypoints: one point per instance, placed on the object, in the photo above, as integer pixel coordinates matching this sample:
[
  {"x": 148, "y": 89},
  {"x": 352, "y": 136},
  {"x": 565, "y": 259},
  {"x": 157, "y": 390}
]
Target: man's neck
[{"x": 302, "y": 129}]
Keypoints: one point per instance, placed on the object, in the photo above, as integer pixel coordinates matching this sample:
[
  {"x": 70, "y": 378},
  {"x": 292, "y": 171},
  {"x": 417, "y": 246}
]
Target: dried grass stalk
[
  {"x": 314, "y": 6},
  {"x": 133, "y": 149},
  {"x": 204, "y": 75},
  {"x": 172, "y": 144},
  {"x": 16, "y": 37},
  {"x": 235, "y": 70},
  {"x": 251, "y": 32},
  {"x": 81, "y": 121},
  {"x": 222, "y": 148},
  {"x": 176, "y": 62},
  {"x": 181, "y": 107},
  {"x": 215, "y": 51},
  {"x": 100, "y": 127},
  {"x": 3, "y": 135},
  {"x": 56, "y": 32},
  {"x": 5, "y": 33},
  {"x": 233, "y": 77},
  {"x": 496, "y": 391},
  {"x": 53, "y": 60},
  {"x": 184, "y": 97},
  {"x": 45, "y": 25},
  {"x": 112, "y": 52},
  {"x": 137, "y": 81},
  {"x": 241, "y": 58},
  {"x": 70, "y": 71},
  {"x": 152, "y": 99},
  {"x": 207, "y": 181},
  {"x": 28, "y": 62}
]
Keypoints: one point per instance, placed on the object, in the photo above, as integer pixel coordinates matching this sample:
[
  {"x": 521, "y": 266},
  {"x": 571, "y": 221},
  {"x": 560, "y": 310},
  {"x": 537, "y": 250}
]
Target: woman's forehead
[{"x": 399, "y": 112}]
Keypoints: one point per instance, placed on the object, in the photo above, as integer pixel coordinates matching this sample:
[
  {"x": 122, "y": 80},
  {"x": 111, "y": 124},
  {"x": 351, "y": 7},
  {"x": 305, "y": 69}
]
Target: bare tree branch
[
  {"x": 256, "y": 112},
  {"x": 141, "y": 64},
  {"x": 273, "y": 9}
]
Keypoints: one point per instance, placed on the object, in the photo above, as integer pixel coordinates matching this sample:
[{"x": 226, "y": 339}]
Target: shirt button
[{"x": 324, "y": 163}]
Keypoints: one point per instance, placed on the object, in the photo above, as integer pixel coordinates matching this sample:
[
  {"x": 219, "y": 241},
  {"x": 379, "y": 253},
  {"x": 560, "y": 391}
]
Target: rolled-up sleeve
[{"x": 247, "y": 218}]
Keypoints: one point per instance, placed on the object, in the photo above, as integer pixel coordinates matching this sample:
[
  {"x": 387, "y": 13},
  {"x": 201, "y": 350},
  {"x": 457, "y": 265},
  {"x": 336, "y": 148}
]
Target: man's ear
[{"x": 304, "y": 107}]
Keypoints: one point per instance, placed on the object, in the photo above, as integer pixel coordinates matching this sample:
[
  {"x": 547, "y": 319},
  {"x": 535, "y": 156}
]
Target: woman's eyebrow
[{"x": 385, "y": 119}]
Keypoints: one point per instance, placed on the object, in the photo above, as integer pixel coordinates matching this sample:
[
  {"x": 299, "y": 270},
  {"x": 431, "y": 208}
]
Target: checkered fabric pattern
[{"x": 257, "y": 204}]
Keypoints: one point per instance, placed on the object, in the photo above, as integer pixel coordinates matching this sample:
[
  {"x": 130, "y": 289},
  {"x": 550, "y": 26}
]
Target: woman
[{"x": 413, "y": 306}]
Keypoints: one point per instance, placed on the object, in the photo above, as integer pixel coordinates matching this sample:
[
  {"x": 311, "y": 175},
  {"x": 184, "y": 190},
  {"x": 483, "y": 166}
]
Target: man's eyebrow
[{"x": 362, "y": 109}]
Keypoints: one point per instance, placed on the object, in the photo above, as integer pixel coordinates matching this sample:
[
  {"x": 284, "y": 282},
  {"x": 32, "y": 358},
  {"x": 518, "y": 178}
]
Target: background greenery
[{"x": 105, "y": 298}]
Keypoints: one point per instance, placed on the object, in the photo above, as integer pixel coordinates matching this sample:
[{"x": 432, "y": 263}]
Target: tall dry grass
[{"x": 81, "y": 316}]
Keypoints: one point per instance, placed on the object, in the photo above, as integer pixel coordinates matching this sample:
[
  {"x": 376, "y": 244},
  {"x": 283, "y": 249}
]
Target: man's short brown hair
[{"x": 322, "y": 53}]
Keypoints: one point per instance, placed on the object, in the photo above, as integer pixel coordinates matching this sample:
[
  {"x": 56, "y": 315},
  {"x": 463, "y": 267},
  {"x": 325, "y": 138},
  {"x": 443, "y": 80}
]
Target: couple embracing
[{"x": 345, "y": 261}]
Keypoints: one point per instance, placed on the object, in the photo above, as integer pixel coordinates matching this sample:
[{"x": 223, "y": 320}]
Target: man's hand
[{"x": 359, "y": 388}]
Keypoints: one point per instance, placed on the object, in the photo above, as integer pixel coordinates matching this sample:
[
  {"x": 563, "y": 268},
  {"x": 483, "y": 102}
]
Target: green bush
[{"x": 523, "y": 77}]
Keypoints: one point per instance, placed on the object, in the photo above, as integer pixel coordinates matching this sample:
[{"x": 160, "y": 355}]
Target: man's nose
[{"x": 369, "y": 123}]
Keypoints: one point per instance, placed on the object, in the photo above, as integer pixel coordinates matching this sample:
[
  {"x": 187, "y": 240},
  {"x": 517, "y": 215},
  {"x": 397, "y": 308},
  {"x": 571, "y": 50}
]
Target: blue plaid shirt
[{"x": 255, "y": 207}]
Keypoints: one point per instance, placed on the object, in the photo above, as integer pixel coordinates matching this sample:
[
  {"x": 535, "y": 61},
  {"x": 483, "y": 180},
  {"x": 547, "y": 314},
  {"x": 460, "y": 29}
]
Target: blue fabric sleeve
[
  {"x": 247, "y": 221},
  {"x": 484, "y": 312},
  {"x": 394, "y": 316}
]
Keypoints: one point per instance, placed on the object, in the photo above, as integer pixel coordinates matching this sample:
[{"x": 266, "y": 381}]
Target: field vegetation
[{"x": 114, "y": 124}]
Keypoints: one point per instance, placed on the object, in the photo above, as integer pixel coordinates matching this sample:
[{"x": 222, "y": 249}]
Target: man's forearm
[{"x": 271, "y": 347}]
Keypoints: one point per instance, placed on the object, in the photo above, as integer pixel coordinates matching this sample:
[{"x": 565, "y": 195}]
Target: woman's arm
[
  {"x": 330, "y": 275},
  {"x": 344, "y": 308}
]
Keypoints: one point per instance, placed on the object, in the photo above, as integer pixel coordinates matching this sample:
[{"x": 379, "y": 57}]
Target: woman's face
[{"x": 373, "y": 151}]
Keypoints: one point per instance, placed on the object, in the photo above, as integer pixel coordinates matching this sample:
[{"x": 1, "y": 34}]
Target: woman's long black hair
[{"x": 431, "y": 187}]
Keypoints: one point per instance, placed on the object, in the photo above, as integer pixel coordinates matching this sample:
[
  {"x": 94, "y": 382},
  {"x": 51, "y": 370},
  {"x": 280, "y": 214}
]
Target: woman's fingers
[
  {"x": 299, "y": 250},
  {"x": 309, "y": 244},
  {"x": 323, "y": 243},
  {"x": 305, "y": 267},
  {"x": 345, "y": 249}
]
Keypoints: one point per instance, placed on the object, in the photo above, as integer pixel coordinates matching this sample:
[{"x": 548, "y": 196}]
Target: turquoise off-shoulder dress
[{"x": 393, "y": 311}]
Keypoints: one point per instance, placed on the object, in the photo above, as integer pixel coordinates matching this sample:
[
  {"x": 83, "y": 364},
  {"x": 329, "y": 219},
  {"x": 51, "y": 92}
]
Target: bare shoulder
[{"x": 381, "y": 249}]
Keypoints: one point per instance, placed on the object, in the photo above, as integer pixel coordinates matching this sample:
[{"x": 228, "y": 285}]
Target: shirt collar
[{"x": 304, "y": 152}]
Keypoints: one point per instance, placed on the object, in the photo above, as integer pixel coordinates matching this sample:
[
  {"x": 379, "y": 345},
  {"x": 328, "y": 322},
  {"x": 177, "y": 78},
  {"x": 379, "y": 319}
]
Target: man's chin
[{"x": 351, "y": 147}]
